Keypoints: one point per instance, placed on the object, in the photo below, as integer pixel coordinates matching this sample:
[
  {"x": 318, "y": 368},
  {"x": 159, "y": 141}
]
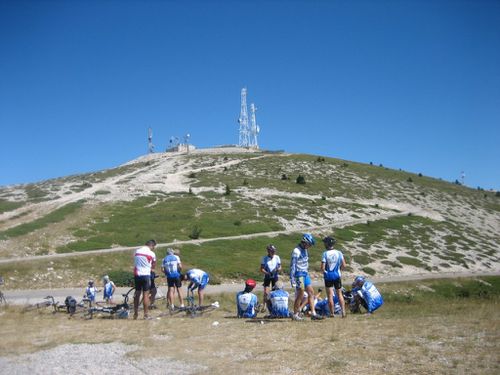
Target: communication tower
[
  {"x": 254, "y": 128},
  {"x": 151, "y": 146},
  {"x": 243, "y": 120}
]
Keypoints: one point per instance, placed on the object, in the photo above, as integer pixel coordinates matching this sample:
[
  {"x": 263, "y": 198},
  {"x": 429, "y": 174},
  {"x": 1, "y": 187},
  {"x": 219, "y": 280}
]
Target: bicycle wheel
[{"x": 36, "y": 306}]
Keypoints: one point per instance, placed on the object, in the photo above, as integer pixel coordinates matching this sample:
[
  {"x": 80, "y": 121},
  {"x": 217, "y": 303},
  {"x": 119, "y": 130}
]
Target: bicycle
[
  {"x": 191, "y": 309},
  {"x": 121, "y": 310},
  {"x": 48, "y": 301}
]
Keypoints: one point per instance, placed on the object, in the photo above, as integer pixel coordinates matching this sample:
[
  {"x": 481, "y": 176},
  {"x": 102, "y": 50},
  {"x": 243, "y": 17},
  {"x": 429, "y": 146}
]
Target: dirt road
[{"x": 27, "y": 296}]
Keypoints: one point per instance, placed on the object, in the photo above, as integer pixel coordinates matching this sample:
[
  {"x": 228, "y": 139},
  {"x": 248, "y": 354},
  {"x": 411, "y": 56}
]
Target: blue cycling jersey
[{"x": 246, "y": 303}]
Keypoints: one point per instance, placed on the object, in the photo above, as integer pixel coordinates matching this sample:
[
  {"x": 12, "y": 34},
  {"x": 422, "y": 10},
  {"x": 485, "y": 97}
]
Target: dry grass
[{"x": 460, "y": 336}]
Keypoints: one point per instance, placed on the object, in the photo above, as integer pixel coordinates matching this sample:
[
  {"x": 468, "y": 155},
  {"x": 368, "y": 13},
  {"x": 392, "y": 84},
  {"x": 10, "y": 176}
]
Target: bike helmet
[
  {"x": 359, "y": 280},
  {"x": 329, "y": 241},
  {"x": 91, "y": 282},
  {"x": 271, "y": 248},
  {"x": 250, "y": 283},
  {"x": 106, "y": 278},
  {"x": 308, "y": 238}
]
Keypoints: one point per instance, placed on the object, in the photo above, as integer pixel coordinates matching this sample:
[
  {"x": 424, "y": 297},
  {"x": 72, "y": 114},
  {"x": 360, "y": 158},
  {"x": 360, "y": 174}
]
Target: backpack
[{"x": 70, "y": 303}]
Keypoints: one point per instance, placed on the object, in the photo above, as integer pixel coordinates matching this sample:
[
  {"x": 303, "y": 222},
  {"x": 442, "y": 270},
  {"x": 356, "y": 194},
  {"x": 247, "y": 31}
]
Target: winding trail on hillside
[{"x": 338, "y": 224}]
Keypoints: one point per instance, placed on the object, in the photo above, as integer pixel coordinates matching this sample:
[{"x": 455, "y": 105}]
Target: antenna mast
[
  {"x": 243, "y": 120},
  {"x": 254, "y": 128},
  {"x": 151, "y": 146}
]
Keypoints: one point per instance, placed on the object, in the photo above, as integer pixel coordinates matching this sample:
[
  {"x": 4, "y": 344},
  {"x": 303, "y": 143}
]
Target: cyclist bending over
[{"x": 198, "y": 279}]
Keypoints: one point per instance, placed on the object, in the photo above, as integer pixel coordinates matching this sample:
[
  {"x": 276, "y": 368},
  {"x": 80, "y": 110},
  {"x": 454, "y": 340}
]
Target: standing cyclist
[
  {"x": 109, "y": 289},
  {"x": 172, "y": 267},
  {"x": 270, "y": 266},
  {"x": 144, "y": 263},
  {"x": 299, "y": 276},
  {"x": 332, "y": 262}
]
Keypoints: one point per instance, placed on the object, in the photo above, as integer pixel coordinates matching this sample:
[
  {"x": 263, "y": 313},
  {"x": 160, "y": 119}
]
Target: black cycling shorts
[
  {"x": 174, "y": 281},
  {"x": 337, "y": 284},
  {"x": 268, "y": 280},
  {"x": 142, "y": 283}
]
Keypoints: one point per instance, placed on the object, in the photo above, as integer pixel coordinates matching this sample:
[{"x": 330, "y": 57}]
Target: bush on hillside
[
  {"x": 195, "y": 233},
  {"x": 121, "y": 278},
  {"x": 301, "y": 180}
]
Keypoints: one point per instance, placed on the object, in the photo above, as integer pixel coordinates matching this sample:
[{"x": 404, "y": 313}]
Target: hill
[{"x": 388, "y": 222}]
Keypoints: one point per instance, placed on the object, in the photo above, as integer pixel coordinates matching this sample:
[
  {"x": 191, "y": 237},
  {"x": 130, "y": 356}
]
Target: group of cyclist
[
  {"x": 275, "y": 298},
  {"x": 144, "y": 266}
]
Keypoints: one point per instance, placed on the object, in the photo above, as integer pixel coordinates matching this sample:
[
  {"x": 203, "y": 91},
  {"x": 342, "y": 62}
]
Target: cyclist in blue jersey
[
  {"x": 198, "y": 279},
  {"x": 109, "y": 289},
  {"x": 172, "y": 267},
  {"x": 278, "y": 302},
  {"x": 299, "y": 276},
  {"x": 91, "y": 291},
  {"x": 246, "y": 301},
  {"x": 332, "y": 262},
  {"x": 366, "y": 295},
  {"x": 270, "y": 266}
]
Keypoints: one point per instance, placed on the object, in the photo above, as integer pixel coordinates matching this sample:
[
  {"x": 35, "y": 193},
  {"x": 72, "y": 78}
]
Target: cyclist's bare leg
[
  {"x": 179, "y": 294},
  {"x": 298, "y": 300},
  {"x": 137, "y": 297},
  {"x": 340, "y": 296},
  {"x": 331, "y": 306},
  {"x": 152, "y": 295},
  {"x": 200, "y": 297},
  {"x": 170, "y": 296},
  {"x": 310, "y": 299},
  {"x": 146, "y": 303}
]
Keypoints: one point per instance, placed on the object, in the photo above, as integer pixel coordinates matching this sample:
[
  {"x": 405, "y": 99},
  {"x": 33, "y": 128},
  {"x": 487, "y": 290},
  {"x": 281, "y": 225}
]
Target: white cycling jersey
[{"x": 143, "y": 260}]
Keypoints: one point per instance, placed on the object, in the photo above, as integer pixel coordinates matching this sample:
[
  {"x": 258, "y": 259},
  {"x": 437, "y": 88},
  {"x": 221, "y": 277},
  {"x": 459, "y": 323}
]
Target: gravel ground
[{"x": 91, "y": 359}]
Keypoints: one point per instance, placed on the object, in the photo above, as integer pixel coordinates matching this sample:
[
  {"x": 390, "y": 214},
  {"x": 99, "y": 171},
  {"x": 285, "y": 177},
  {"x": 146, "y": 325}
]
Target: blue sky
[{"x": 408, "y": 84}]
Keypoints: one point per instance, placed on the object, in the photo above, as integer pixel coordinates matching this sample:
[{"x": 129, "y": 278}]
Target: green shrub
[
  {"x": 301, "y": 180},
  {"x": 195, "y": 232},
  {"x": 121, "y": 278}
]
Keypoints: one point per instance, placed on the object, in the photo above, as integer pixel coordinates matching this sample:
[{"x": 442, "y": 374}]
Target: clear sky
[{"x": 408, "y": 84}]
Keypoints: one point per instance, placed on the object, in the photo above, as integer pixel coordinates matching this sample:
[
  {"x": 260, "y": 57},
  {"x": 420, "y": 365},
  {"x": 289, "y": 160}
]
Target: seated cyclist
[
  {"x": 323, "y": 307},
  {"x": 278, "y": 302},
  {"x": 246, "y": 301},
  {"x": 198, "y": 279},
  {"x": 366, "y": 295}
]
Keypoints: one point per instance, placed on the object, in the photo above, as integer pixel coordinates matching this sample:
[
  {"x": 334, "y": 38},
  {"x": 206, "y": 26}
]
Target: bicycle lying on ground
[
  {"x": 120, "y": 311},
  {"x": 191, "y": 309},
  {"x": 69, "y": 306}
]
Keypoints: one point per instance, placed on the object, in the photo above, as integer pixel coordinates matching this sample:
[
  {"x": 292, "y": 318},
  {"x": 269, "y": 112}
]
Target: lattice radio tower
[
  {"x": 254, "y": 128},
  {"x": 151, "y": 146},
  {"x": 244, "y": 140}
]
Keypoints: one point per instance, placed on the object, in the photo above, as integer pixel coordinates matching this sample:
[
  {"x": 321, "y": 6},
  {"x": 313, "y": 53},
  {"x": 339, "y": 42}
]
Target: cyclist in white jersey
[
  {"x": 91, "y": 291},
  {"x": 270, "y": 266},
  {"x": 332, "y": 262},
  {"x": 109, "y": 289},
  {"x": 299, "y": 276},
  {"x": 144, "y": 263},
  {"x": 246, "y": 301},
  {"x": 198, "y": 279}
]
